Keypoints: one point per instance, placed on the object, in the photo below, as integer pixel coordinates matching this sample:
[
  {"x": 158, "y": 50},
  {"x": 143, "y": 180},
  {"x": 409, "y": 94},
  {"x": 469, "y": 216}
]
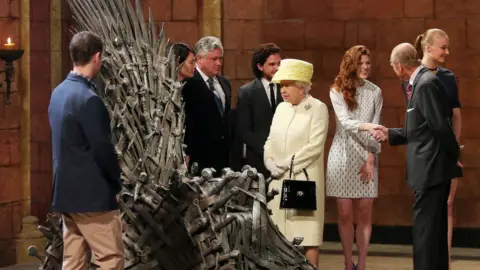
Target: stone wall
[
  {"x": 320, "y": 31},
  {"x": 41, "y": 87},
  {"x": 11, "y": 193}
]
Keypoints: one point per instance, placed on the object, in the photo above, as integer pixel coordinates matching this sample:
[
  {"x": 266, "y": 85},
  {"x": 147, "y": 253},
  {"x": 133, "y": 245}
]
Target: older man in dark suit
[
  {"x": 432, "y": 156},
  {"x": 256, "y": 104},
  {"x": 85, "y": 165},
  {"x": 207, "y": 107}
]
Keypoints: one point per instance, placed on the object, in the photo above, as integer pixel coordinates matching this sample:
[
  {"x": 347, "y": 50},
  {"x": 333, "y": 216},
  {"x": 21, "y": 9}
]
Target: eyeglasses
[{"x": 214, "y": 59}]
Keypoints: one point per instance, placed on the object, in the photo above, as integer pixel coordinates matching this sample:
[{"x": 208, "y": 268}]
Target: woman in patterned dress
[
  {"x": 352, "y": 168},
  {"x": 433, "y": 48}
]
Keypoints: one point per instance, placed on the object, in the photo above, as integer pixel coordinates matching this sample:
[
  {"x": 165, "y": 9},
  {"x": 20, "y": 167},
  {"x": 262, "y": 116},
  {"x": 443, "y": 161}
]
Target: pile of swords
[{"x": 171, "y": 220}]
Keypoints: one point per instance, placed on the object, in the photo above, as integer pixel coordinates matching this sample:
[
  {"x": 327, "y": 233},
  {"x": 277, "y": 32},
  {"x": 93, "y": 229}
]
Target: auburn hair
[{"x": 345, "y": 81}]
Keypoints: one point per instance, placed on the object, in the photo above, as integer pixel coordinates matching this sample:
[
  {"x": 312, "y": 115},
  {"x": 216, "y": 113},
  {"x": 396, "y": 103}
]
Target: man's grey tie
[{"x": 218, "y": 101}]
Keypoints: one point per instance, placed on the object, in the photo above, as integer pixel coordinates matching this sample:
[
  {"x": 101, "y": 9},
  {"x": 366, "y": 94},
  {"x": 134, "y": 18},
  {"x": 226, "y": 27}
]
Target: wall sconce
[{"x": 9, "y": 54}]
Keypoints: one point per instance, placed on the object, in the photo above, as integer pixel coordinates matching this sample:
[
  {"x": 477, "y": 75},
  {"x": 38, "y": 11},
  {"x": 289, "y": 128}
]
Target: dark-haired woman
[
  {"x": 352, "y": 165},
  {"x": 186, "y": 59},
  {"x": 186, "y": 68}
]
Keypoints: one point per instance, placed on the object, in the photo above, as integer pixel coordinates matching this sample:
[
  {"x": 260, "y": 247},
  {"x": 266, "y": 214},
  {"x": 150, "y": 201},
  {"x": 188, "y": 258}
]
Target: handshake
[{"x": 378, "y": 132}]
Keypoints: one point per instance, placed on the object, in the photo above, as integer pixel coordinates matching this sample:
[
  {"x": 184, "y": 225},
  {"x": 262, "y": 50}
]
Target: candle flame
[{"x": 9, "y": 41}]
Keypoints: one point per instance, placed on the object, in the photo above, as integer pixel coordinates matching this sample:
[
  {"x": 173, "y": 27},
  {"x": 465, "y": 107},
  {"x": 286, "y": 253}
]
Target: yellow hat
[{"x": 294, "y": 70}]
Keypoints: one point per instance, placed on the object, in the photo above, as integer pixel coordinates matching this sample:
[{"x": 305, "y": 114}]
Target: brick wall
[
  {"x": 180, "y": 18},
  {"x": 40, "y": 89},
  {"x": 321, "y": 31},
  {"x": 10, "y": 119}
]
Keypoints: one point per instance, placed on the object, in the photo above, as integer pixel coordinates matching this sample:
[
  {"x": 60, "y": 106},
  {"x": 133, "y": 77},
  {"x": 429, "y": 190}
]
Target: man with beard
[
  {"x": 207, "y": 108},
  {"x": 256, "y": 104}
]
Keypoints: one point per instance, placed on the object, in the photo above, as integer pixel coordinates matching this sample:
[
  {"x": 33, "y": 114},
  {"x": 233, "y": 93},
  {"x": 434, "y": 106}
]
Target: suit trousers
[
  {"x": 430, "y": 227},
  {"x": 99, "y": 232}
]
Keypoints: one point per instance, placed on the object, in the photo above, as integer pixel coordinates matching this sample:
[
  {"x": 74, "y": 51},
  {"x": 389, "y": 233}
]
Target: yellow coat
[{"x": 301, "y": 131}]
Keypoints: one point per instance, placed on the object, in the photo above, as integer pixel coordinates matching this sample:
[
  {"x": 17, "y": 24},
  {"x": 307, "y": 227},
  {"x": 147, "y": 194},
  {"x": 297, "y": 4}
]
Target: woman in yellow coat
[{"x": 299, "y": 128}]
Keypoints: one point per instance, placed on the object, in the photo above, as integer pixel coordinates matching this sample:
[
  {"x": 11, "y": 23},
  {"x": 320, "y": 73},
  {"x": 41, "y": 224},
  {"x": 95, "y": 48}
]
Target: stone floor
[
  {"x": 382, "y": 257},
  {"x": 394, "y": 257},
  {"x": 335, "y": 262}
]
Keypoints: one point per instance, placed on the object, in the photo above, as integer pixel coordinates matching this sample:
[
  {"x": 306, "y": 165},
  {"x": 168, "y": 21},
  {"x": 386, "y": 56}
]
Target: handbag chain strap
[{"x": 291, "y": 169}]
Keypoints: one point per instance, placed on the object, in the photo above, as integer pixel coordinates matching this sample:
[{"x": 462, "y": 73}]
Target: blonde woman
[
  {"x": 433, "y": 48},
  {"x": 298, "y": 131}
]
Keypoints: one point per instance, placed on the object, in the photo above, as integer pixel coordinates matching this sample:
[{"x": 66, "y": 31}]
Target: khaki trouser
[{"x": 101, "y": 232}]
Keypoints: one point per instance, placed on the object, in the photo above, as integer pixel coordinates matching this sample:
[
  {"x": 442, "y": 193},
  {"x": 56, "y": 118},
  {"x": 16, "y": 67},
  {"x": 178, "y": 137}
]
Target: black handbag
[{"x": 298, "y": 194}]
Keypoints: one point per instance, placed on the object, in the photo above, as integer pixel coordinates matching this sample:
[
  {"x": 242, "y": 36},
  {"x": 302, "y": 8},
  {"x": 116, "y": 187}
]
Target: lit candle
[{"x": 9, "y": 45}]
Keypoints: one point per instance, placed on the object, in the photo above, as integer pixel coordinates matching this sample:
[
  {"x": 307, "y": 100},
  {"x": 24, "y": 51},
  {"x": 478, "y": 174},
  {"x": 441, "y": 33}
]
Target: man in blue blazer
[{"x": 85, "y": 165}]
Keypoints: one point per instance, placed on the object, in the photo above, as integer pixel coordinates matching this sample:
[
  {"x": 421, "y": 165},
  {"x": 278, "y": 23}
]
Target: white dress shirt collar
[
  {"x": 266, "y": 86},
  {"x": 414, "y": 75},
  {"x": 266, "y": 83},
  {"x": 205, "y": 77}
]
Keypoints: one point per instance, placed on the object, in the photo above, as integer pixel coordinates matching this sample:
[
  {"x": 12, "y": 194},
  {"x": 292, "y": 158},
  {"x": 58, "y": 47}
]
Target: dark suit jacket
[
  {"x": 85, "y": 166},
  {"x": 255, "y": 115},
  {"x": 449, "y": 81},
  {"x": 432, "y": 150},
  {"x": 207, "y": 133}
]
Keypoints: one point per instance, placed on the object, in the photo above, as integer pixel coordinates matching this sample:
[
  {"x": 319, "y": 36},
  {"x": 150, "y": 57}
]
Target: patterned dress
[{"x": 350, "y": 147}]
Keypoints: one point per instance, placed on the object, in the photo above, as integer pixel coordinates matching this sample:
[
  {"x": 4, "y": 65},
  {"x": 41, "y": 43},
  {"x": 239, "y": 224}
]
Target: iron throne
[{"x": 171, "y": 221}]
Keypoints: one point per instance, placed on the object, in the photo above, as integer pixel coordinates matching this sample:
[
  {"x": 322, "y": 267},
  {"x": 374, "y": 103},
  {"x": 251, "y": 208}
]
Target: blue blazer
[{"x": 86, "y": 170}]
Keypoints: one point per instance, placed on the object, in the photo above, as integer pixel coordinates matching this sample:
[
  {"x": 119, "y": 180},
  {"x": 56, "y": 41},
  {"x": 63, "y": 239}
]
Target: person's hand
[
  {"x": 459, "y": 163},
  {"x": 273, "y": 168},
  {"x": 283, "y": 164},
  {"x": 366, "y": 171},
  {"x": 379, "y": 133}
]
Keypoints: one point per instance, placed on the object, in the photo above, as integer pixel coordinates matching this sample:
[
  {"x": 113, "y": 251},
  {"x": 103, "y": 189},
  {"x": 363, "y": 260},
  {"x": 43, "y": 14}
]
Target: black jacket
[
  {"x": 254, "y": 114},
  {"x": 432, "y": 150},
  {"x": 207, "y": 132}
]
